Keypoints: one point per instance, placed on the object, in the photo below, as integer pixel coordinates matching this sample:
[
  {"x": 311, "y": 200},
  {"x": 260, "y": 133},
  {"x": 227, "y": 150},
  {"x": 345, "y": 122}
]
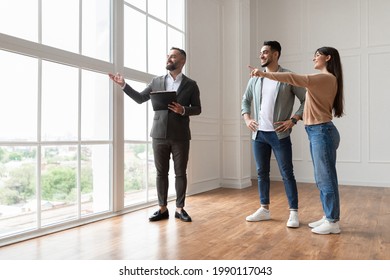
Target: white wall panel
[
  {"x": 204, "y": 66},
  {"x": 204, "y": 126},
  {"x": 231, "y": 156},
  {"x": 350, "y": 125},
  {"x": 205, "y": 161},
  {"x": 283, "y": 28},
  {"x": 378, "y": 22},
  {"x": 379, "y": 100},
  {"x": 246, "y": 156},
  {"x": 231, "y": 62},
  {"x": 333, "y": 23}
]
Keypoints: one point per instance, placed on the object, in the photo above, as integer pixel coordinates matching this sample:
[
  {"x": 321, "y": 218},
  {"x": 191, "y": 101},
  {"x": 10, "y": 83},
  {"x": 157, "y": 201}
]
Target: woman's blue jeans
[
  {"x": 263, "y": 145},
  {"x": 324, "y": 141}
]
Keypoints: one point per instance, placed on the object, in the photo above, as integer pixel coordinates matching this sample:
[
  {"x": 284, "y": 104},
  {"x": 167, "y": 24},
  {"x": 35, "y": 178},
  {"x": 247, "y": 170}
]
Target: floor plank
[{"x": 219, "y": 231}]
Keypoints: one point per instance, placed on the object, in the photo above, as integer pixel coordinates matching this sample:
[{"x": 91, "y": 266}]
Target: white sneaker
[
  {"x": 327, "y": 227},
  {"x": 293, "y": 220},
  {"x": 261, "y": 214},
  {"x": 317, "y": 223}
]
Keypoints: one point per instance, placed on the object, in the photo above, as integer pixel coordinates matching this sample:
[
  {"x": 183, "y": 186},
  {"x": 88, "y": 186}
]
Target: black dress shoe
[
  {"x": 157, "y": 216},
  {"x": 183, "y": 215}
]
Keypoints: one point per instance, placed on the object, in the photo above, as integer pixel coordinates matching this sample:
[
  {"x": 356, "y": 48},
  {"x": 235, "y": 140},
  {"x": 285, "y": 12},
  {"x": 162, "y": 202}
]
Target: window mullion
[
  {"x": 80, "y": 26},
  {"x": 39, "y": 146},
  {"x": 117, "y": 110},
  {"x": 78, "y": 181}
]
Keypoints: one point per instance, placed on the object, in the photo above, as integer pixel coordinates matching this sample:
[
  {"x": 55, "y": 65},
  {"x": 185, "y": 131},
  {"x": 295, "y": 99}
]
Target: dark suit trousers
[{"x": 163, "y": 148}]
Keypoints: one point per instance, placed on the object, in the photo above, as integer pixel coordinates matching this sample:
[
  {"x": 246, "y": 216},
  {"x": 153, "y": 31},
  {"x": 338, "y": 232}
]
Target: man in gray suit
[{"x": 171, "y": 129}]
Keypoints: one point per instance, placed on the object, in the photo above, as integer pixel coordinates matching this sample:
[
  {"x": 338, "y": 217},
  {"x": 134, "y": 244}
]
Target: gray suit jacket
[{"x": 167, "y": 124}]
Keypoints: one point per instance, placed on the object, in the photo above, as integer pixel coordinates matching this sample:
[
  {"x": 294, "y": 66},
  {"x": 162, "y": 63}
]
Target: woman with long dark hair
[{"x": 324, "y": 99}]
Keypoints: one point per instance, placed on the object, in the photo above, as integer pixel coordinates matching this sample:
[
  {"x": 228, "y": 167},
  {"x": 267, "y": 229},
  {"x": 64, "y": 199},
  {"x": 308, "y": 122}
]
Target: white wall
[
  {"x": 218, "y": 50},
  {"x": 224, "y": 36},
  {"x": 204, "y": 66},
  {"x": 359, "y": 30}
]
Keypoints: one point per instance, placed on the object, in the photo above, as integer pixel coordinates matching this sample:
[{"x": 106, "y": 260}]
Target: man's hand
[
  {"x": 283, "y": 126},
  {"x": 252, "y": 124},
  {"x": 118, "y": 79},
  {"x": 176, "y": 107}
]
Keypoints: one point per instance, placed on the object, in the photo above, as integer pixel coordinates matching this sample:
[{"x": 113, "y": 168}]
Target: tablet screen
[{"x": 161, "y": 99}]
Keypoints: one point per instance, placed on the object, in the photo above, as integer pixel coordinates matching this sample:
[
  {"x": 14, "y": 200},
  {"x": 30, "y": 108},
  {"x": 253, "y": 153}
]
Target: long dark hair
[{"x": 334, "y": 66}]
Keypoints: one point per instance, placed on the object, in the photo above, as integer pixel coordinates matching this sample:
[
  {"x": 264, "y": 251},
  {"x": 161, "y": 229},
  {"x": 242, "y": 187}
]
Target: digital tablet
[{"x": 161, "y": 99}]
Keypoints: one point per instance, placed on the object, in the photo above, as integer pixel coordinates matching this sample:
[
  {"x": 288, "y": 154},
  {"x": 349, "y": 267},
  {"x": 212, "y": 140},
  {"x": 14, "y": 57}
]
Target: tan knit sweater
[{"x": 320, "y": 94}]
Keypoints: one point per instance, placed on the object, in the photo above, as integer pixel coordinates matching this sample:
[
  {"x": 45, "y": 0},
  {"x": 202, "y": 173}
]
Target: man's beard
[
  {"x": 171, "y": 67},
  {"x": 265, "y": 64}
]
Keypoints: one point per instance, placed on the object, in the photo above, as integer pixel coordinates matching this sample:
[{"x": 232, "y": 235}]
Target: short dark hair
[
  {"x": 182, "y": 52},
  {"x": 275, "y": 46}
]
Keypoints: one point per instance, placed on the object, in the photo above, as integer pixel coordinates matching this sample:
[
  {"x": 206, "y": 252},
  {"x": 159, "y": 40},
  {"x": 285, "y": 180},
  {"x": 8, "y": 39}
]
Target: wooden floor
[{"x": 219, "y": 231}]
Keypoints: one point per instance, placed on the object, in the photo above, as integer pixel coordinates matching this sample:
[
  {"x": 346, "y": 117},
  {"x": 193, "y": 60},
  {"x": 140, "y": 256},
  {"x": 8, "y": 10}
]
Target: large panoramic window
[
  {"x": 58, "y": 132},
  {"x": 55, "y": 117}
]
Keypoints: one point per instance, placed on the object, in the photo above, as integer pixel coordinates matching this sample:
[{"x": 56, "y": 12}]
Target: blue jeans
[
  {"x": 324, "y": 141},
  {"x": 263, "y": 145}
]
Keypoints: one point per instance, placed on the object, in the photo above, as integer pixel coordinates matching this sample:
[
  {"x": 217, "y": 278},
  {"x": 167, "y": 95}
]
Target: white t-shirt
[{"x": 268, "y": 99}]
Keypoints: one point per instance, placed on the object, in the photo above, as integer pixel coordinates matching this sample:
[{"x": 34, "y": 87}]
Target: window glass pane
[
  {"x": 59, "y": 102},
  {"x": 60, "y": 24},
  {"x": 136, "y": 164},
  {"x": 176, "y": 13},
  {"x": 135, "y": 116},
  {"x": 18, "y": 203},
  {"x": 95, "y": 106},
  {"x": 95, "y": 179},
  {"x": 171, "y": 178},
  {"x": 19, "y": 18},
  {"x": 18, "y": 98},
  {"x": 96, "y": 29},
  {"x": 157, "y": 52},
  {"x": 140, "y": 4},
  {"x": 135, "y": 40},
  {"x": 158, "y": 9},
  {"x": 152, "y": 174},
  {"x": 58, "y": 184},
  {"x": 175, "y": 38}
]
